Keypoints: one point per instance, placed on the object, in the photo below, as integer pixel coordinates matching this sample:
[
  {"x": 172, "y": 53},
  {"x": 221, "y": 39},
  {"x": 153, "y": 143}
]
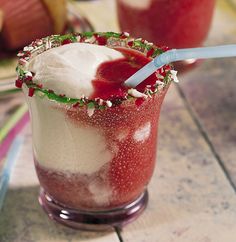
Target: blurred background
[{"x": 23, "y": 21}]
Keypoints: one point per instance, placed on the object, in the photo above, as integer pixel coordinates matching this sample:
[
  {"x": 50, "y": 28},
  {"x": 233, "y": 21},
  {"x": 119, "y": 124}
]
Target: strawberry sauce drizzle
[{"x": 110, "y": 76}]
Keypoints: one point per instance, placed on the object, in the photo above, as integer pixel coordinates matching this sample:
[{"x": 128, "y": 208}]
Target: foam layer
[
  {"x": 143, "y": 4},
  {"x": 70, "y": 69},
  {"x": 61, "y": 145}
]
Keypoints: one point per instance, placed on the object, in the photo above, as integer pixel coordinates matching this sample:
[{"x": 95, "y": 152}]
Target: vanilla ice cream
[
  {"x": 64, "y": 146},
  {"x": 70, "y": 69}
]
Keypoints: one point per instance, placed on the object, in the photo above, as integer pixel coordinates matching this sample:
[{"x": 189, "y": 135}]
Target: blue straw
[{"x": 178, "y": 55}]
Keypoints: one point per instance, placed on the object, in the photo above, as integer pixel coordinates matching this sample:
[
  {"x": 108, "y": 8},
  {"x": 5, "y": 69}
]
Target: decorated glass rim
[{"x": 110, "y": 39}]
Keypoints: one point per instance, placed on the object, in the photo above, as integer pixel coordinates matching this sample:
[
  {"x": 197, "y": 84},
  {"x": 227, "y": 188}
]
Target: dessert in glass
[
  {"x": 177, "y": 24},
  {"x": 94, "y": 139}
]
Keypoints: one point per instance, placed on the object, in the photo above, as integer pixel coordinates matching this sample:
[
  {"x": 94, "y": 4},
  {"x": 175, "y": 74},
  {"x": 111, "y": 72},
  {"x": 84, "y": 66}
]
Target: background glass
[{"x": 172, "y": 23}]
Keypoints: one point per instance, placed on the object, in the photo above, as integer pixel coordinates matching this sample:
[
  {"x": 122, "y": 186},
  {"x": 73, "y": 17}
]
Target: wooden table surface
[{"x": 192, "y": 193}]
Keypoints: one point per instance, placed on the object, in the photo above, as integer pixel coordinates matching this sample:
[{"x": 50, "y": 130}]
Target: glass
[
  {"x": 108, "y": 157},
  {"x": 174, "y": 23}
]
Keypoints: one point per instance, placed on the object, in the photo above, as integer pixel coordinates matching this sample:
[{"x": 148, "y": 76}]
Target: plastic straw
[{"x": 178, "y": 55}]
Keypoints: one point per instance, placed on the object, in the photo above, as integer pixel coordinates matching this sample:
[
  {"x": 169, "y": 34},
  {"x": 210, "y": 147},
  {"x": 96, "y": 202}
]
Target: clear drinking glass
[
  {"x": 175, "y": 23},
  {"x": 93, "y": 161}
]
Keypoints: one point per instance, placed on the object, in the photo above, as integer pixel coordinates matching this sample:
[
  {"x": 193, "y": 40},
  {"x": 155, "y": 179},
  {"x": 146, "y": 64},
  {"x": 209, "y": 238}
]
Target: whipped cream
[
  {"x": 70, "y": 69},
  {"x": 143, "y": 4}
]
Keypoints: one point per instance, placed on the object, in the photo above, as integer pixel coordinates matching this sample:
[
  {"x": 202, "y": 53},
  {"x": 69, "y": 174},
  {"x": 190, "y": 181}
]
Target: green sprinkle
[
  {"x": 20, "y": 72},
  {"x": 61, "y": 38},
  {"x": 158, "y": 52},
  {"x": 91, "y": 105},
  {"x": 112, "y": 34},
  {"x": 87, "y": 34},
  {"x": 81, "y": 103},
  {"x": 102, "y": 107}
]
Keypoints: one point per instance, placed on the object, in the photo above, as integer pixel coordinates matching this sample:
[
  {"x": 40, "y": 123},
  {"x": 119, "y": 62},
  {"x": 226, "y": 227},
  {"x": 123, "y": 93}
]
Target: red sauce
[{"x": 110, "y": 76}]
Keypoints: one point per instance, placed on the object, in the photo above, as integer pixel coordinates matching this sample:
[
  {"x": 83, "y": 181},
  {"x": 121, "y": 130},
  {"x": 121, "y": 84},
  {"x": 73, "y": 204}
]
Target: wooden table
[{"x": 192, "y": 193}]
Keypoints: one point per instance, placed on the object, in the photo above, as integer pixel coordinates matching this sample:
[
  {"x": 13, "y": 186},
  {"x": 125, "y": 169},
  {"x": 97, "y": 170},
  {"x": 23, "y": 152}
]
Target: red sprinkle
[
  {"x": 26, "y": 54},
  {"x": 130, "y": 43},
  {"x": 152, "y": 88},
  {"x": 167, "y": 68},
  {"x": 50, "y": 91},
  {"x": 18, "y": 83},
  {"x": 150, "y": 52},
  {"x": 165, "y": 48},
  {"x": 28, "y": 79},
  {"x": 82, "y": 39},
  {"x": 66, "y": 41},
  {"x": 75, "y": 105},
  {"x": 31, "y": 92},
  {"x": 102, "y": 40},
  {"x": 123, "y": 35}
]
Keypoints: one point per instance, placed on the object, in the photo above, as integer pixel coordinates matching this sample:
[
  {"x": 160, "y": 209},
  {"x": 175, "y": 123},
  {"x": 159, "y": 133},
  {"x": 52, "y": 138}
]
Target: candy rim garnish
[
  {"x": 110, "y": 39},
  {"x": 135, "y": 93}
]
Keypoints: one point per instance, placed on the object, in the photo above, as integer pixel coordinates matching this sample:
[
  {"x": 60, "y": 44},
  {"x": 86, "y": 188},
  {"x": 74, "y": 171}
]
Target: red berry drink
[
  {"x": 94, "y": 139},
  {"x": 177, "y": 24}
]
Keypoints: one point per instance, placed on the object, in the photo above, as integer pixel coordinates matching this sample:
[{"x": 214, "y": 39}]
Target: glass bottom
[{"x": 93, "y": 220}]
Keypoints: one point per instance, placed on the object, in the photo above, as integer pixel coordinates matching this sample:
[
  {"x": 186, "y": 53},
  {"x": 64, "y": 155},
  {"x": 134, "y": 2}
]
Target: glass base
[{"x": 93, "y": 220}]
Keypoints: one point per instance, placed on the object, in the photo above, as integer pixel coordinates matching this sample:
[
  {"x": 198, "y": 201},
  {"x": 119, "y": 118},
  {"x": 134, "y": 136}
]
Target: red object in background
[
  {"x": 24, "y": 21},
  {"x": 174, "y": 23}
]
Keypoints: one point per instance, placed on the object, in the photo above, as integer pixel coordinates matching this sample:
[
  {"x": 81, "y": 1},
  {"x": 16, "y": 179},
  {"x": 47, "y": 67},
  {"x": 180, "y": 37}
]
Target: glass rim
[{"x": 109, "y": 39}]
